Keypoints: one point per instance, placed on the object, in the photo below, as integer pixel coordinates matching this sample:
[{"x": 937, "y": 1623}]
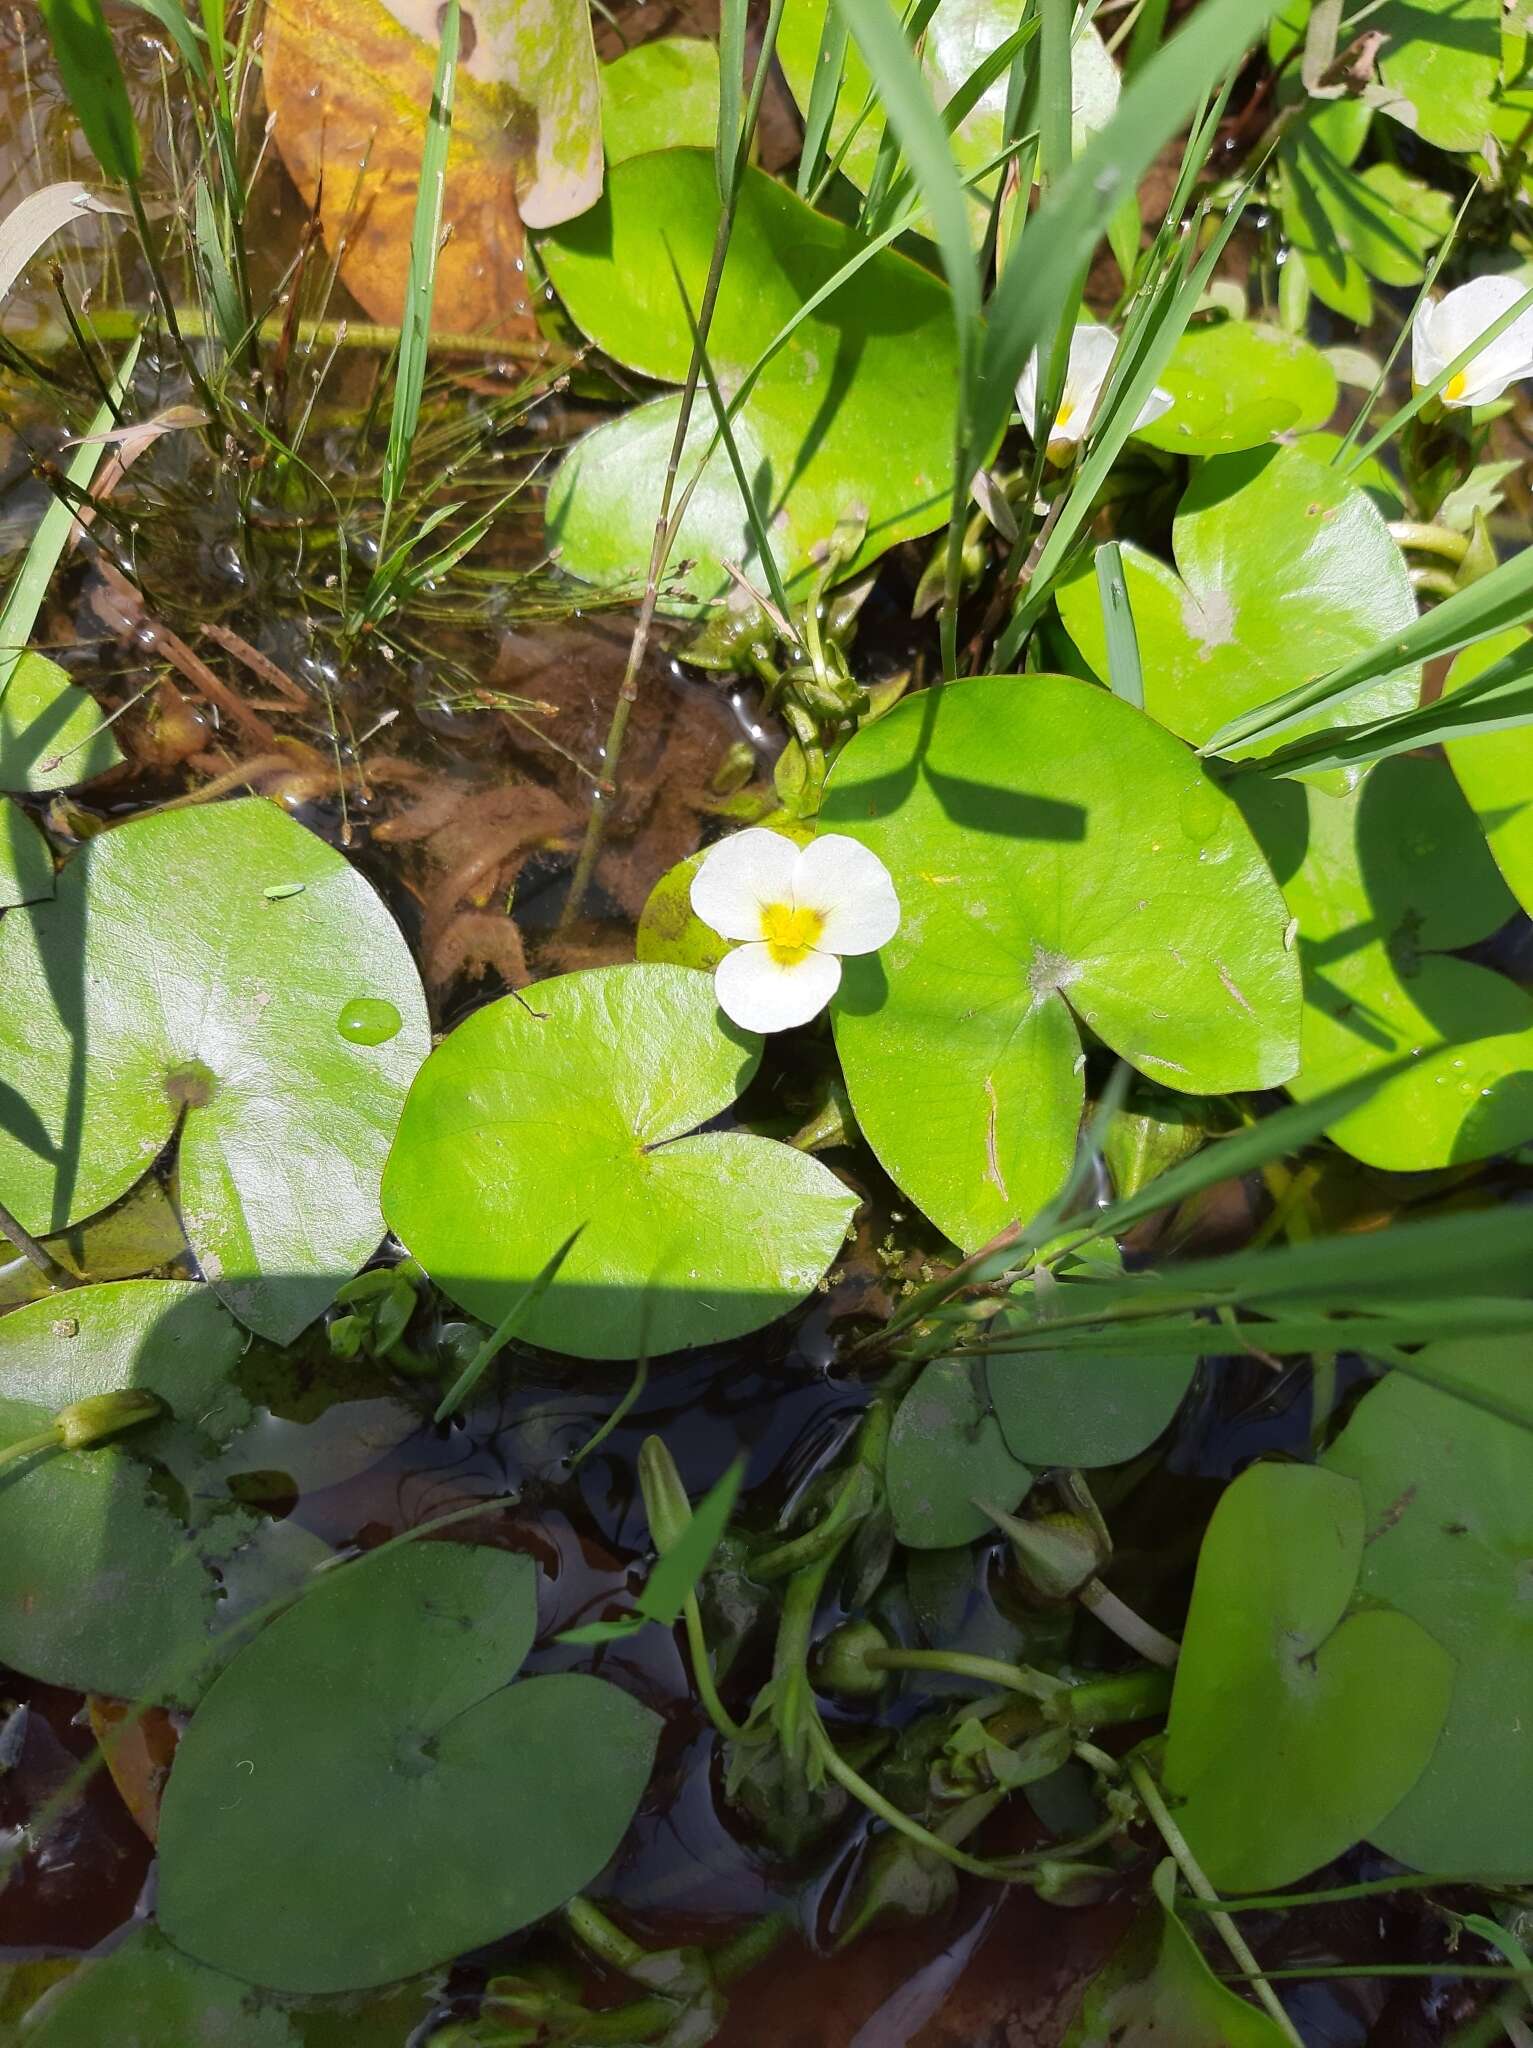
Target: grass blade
[
  {"x": 23, "y": 601},
  {"x": 1501, "y": 599},
  {"x": 420, "y": 288},
  {"x": 92, "y": 77},
  {"x": 36, "y": 219},
  {"x": 726, "y": 146},
  {"x": 1123, "y": 669},
  {"x": 1033, "y": 291},
  {"x": 824, "y": 92},
  {"x": 527, "y": 1300}
]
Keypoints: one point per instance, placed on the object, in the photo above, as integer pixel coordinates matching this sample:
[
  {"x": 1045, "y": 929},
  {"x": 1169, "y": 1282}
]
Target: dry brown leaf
[
  {"x": 139, "y": 1745},
  {"x": 348, "y": 83}
]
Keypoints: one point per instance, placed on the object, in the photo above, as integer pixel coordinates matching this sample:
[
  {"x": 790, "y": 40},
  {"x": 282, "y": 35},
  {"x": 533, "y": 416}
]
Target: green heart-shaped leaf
[
  {"x": 1283, "y": 571},
  {"x": 813, "y": 436},
  {"x": 52, "y": 734},
  {"x": 660, "y": 95},
  {"x": 1058, "y": 856},
  {"x": 567, "y": 1108},
  {"x": 438, "y": 1805},
  {"x": 107, "y": 1586},
  {"x": 224, "y": 973},
  {"x": 946, "y": 1456},
  {"x": 1495, "y": 771},
  {"x": 1235, "y": 384},
  {"x": 26, "y": 867},
  {"x": 1156, "y": 1991},
  {"x": 1448, "y": 1501},
  {"x": 1296, "y": 1725},
  {"x": 1442, "y": 59},
  {"x": 1381, "y": 881}
]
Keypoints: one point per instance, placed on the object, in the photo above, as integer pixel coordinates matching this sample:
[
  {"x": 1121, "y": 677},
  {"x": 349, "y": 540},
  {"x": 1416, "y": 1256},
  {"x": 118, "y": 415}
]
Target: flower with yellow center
[
  {"x": 1091, "y": 352},
  {"x": 1443, "y": 331},
  {"x": 796, "y": 911}
]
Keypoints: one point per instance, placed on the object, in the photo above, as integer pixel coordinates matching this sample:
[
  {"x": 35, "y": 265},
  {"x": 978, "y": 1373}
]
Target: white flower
[
  {"x": 1091, "y": 353},
  {"x": 797, "y": 909},
  {"x": 1445, "y": 330}
]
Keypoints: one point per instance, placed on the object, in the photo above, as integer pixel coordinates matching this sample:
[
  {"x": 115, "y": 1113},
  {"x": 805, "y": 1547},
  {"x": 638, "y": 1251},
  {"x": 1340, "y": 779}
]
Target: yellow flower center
[
  {"x": 1456, "y": 385},
  {"x": 1065, "y": 414},
  {"x": 790, "y": 934}
]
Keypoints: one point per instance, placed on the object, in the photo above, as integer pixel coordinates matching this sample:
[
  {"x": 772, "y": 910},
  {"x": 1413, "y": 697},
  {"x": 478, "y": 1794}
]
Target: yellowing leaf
[{"x": 348, "y": 84}]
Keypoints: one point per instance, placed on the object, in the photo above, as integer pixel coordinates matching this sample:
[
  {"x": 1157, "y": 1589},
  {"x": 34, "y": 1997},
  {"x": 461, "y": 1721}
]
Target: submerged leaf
[
  {"x": 107, "y": 1586},
  {"x": 948, "y": 1461},
  {"x": 163, "y": 991},
  {"x": 1448, "y": 1500},
  {"x": 439, "y": 1805},
  {"x": 1059, "y": 857},
  {"x": 1156, "y": 1990},
  {"x": 1299, "y": 1720},
  {"x": 572, "y": 1104}
]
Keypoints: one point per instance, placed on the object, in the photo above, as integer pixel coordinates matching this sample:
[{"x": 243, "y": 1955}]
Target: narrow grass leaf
[
  {"x": 824, "y": 92},
  {"x": 420, "y": 288},
  {"x": 92, "y": 77},
  {"x": 23, "y": 600},
  {"x": 173, "y": 18},
  {"x": 1123, "y": 669},
  {"x": 1501, "y": 599},
  {"x": 504, "y": 1330},
  {"x": 38, "y": 217},
  {"x": 726, "y": 147},
  {"x": 228, "y": 316},
  {"x": 1026, "y": 304}
]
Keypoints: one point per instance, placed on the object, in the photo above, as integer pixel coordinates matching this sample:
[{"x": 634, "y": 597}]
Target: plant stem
[
  {"x": 1145, "y": 1785},
  {"x": 1424, "y": 538},
  {"x": 28, "y": 1246},
  {"x": 1127, "y": 1626},
  {"x": 1371, "y": 1888},
  {"x": 29, "y": 1446},
  {"x": 986, "y": 1671},
  {"x": 707, "y": 1691},
  {"x": 609, "y": 1944},
  {"x": 665, "y": 529},
  {"x": 115, "y": 325}
]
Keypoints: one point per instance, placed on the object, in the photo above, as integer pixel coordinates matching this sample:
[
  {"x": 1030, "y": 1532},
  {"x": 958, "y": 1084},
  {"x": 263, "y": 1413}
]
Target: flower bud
[
  {"x": 665, "y": 1498},
  {"x": 100, "y": 1416},
  {"x": 842, "y": 1666},
  {"x": 1056, "y": 1554}
]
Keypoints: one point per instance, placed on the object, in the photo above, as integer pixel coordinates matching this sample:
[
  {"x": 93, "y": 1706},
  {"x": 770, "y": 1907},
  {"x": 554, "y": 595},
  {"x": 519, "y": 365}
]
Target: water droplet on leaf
[{"x": 368, "y": 1020}]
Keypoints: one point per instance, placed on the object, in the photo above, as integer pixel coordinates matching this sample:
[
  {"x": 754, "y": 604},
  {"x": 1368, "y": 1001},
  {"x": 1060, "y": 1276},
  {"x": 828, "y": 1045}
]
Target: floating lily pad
[
  {"x": 1299, "y": 1721},
  {"x": 107, "y": 1586},
  {"x": 51, "y": 731},
  {"x": 145, "y": 1994},
  {"x": 1382, "y": 882},
  {"x": 959, "y": 35},
  {"x": 814, "y": 436},
  {"x": 1447, "y": 1494},
  {"x": 1495, "y": 772},
  {"x": 660, "y": 95},
  {"x": 1442, "y": 61},
  {"x": 669, "y": 929},
  {"x": 1156, "y": 1990},
  {"x": 569, "y": 1105},
  {"x": 1061, "y": 861},
  {"x": 947, "y": 1455},
  {"x": 439, "y": 1805},
  {"x": 1236, "y": 383},
  {"x": 179, "y": 981},
  {"x": 1283, "y": 570},
  {"x": 26, "y": 866}
]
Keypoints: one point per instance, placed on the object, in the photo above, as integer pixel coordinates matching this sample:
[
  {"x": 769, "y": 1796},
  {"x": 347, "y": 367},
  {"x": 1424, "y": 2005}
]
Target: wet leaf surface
[
  {"x": 442, "y": 1805},
  {"x": 1235, "y": 384},
  {"x": 134, "y": 1006}
]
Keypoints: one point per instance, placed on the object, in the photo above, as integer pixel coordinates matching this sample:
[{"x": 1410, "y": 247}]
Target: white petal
[
  {"x": 758, "y": 994},
  {"x": 1091, "y": 352},
  {"x": 1157, "y": 403},
  {"x": 1445, "y": 330},
  {"x": 1027, "y": 393},
  {"x": 851, "y": 889},
  {"x": 739, "y": 877}
]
